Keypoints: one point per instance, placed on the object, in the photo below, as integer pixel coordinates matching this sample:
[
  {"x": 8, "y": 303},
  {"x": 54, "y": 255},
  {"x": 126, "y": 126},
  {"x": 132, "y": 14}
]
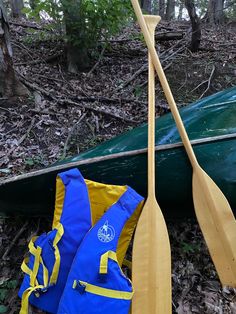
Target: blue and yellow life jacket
[{"x": 79, "y": 206}]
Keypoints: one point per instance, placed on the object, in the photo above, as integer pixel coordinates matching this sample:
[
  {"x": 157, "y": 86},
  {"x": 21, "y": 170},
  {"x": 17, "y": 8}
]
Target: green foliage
[
  {"x": 190, "y": 247},
  {"x": 88, "y": 21},
  {"x": 3, "y": 309},
  {"x": 85, "y": 21},
  {"x": 138, "y": 91},
  {"x": 33, "y": 161},
  {"x": 5, "y": 287},
  {"x": 48, "y": 8}
]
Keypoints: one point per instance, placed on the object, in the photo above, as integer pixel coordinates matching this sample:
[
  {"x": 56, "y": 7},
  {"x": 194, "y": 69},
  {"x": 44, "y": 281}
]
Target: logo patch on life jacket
[{"x": 106, "y": 233}]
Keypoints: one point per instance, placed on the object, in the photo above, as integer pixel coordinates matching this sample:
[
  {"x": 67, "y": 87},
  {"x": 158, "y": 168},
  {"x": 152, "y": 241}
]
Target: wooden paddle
[
  {"x": 213, "y": 211},
  {"x": 151, "y": 262}
]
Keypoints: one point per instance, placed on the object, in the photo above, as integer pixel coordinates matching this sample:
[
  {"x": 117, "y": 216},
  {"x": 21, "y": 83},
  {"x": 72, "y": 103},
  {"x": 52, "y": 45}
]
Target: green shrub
[{"x": 85, "y": 21}]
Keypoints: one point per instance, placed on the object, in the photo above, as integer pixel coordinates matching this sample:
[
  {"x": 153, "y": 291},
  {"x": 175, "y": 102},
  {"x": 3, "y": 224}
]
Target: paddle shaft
[
  {"x": 164, "y": 83},
  {"x": 152, "y": 23}
]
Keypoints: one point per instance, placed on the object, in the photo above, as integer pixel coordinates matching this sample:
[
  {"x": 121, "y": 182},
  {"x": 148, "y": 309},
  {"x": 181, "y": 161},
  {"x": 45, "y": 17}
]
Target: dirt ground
[{"x": 67, "y": 113}]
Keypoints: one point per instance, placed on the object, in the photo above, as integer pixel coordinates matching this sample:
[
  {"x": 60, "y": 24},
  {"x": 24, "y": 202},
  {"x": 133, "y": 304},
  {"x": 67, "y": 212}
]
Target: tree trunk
[
  {"x": 147, "y": 6},
  {"x": 215, "y": 13},
  {"x": 9, "y": 84},
  {"x": 77, "y": 54},
  {"x": 161, "y": 11},
  {"x": 181, "y": 7},
  {"x": 170, "y": 10},
  {"x": 16, "y": 8},
  {"x": 196, "y": 26}
]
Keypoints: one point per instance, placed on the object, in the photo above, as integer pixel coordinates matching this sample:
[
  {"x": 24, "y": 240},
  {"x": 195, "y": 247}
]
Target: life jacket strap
[
  {"x": 83, "y": 286},
  {"x": 34, "y": 285},
  {"x": 25, "y": 298},
  {"x": 55, "y": 271},
  {"x": 104, "y": 261},
  {"x": 25, "y": 268}
]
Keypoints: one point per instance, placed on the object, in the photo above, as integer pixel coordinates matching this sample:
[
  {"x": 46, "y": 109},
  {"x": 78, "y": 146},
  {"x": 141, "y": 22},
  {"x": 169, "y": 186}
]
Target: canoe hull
[
  {"x": 173, "y": 175},
  {"x": 215, "y": 116}
]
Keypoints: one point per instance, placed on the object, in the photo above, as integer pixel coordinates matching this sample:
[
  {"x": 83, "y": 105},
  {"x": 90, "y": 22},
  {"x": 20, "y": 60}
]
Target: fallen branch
[
  {"x": 26, "y": 25},
  {"x": 46, "y": 112},
  {"x": 13, "y": 242},
  {"x": 99, "y": 60},
  {"x": 209, "y": 82},
  {"x": 113, "y": 115},
  {"x": 70, "y": 102},
  {"x": 110, "y": 100},
  {"x": 21, "y": 140},
  {"x": 165, "y": 36},
  {"x": 144, "y": 68},
  {"x": 47, "y": 60},
  {"x": 70, "y": 135},
  {"x": 156, "y": 76}
]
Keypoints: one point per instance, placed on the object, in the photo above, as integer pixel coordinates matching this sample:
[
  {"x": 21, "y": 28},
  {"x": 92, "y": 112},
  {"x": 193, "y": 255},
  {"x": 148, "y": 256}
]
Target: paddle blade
[
  {"x": 218, "y": 225},
  {"x": 151, "y": 263}
]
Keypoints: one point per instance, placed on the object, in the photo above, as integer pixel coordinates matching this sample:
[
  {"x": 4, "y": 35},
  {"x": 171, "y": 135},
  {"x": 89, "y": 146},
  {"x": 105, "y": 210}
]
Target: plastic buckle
[
  {"x": 80, "y": 288},
  {"x": 40, "y": 291}
]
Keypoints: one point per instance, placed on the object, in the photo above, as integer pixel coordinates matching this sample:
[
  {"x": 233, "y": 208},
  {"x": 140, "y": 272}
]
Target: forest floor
[{"x": 67, "y": 113}]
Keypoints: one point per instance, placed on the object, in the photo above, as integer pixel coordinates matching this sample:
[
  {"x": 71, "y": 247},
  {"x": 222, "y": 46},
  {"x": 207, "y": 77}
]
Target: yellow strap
[
  {"x": 45, "y": 272},
  {"x": 104, "y": 261},
  {"x": 25, "y": 299},
  {"x": 34, "y": 251},
  {"x": 33, "y": 273},
  {"x": 55, "y": 271},
  {"x": 25, "y": 268},
  {"x": 115, "y": 294},
  {"x": 36, "y": 266},
  {"x": 28, "y": 292},
  {"x": 31, "y": 246}
]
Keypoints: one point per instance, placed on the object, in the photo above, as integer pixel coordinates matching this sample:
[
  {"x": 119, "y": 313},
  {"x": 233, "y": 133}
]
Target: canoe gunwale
[{"x": 92, "y": 160}]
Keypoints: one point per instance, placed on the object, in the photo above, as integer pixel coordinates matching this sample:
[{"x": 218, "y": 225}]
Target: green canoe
[{"x": 211, "y": 125}]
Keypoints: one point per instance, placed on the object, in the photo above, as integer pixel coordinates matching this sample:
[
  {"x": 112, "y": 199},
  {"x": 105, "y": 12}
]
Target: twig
[
  {"x": 21, "y": 46},
  {"x": 26, "y": 25},
  {"x": 99, "y": 60},
  {"x": 209, "y": 82},
  {"x": 110, "y": 100},
  {"x": 47, "y": 60},
  {"x": 165, "y": 68},
  {"x": 5, "y": 109},
  {"x": 204, "y": 82},
  {"x": 35, "y": 232},
  {"x": 46, "y": 112},
  {"x": 27, "y": 132},
  {"x": 180, "y": 49},
  {"x": 23, "y": 137},
  {"x": 13, "y": 242},
  {"x": 49, "y": 78},
  {"x": 185, "y": 81},
  {"x": 113, "y": 115},
  {"x": 70, "y": 134},
  {"x": 143, "y": 68}
]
